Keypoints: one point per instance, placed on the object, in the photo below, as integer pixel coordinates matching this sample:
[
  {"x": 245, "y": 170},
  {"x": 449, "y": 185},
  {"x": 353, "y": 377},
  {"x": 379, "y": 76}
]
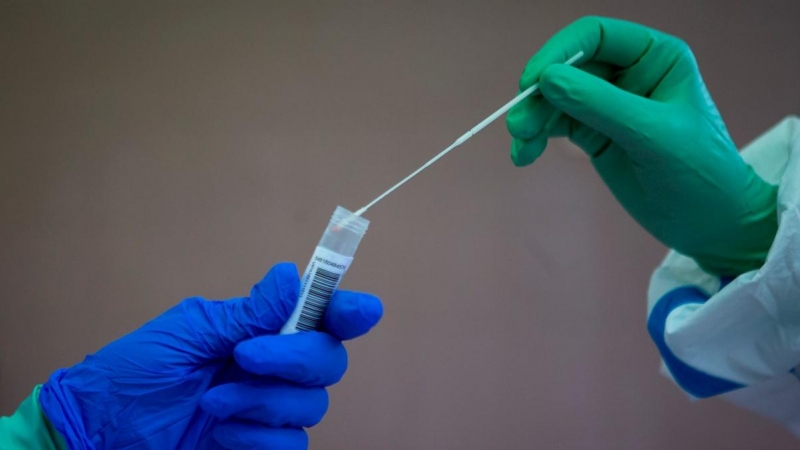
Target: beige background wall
[{"x": 157, "y": 150}]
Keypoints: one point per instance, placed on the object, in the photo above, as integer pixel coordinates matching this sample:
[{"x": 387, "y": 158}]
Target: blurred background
[{"x": 153, "y": 151}]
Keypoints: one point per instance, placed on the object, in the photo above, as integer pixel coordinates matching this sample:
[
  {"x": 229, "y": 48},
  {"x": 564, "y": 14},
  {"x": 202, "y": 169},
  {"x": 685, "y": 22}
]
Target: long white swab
[{"x": 465, "y": 137}]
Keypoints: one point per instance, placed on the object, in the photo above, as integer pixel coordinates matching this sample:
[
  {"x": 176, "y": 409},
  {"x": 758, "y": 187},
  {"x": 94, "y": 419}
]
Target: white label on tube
[{"x": 320, "y": 280}]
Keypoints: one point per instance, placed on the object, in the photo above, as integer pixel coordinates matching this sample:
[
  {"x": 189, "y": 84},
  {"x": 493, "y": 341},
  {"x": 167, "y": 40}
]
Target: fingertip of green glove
[
  {"x": 525, "y": 152},
  {"x": 559, "y": 85},
  {"x": 529, "y": 125}
]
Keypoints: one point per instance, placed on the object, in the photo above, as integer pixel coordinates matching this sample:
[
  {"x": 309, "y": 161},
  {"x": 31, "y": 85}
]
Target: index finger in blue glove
[
  {"x": 309, "y": 358},
  {"x": 352, "y": 314}
]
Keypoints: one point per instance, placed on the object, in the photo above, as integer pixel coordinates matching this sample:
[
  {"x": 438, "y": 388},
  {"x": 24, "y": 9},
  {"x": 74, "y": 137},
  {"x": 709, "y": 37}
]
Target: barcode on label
[{"x": 323, "y": 283}]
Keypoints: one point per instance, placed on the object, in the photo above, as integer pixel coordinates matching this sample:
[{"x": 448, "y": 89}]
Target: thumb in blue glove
[{"x": 210, "y": 374}]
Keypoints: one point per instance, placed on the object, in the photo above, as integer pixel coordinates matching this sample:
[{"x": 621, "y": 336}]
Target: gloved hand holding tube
[
  {"x": 210, "y": 375},
  {"x": 639, "y": 108}
]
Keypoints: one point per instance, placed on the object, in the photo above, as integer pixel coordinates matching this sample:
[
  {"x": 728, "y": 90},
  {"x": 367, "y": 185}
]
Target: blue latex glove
[{"x": 211, "y": 375}]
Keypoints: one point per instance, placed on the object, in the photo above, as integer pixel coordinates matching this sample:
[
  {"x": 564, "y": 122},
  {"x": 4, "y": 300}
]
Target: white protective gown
[{"x": 740, "y": 338}]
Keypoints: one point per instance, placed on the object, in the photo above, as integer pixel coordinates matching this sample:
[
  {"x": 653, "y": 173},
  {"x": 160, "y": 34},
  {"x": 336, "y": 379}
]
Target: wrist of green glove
[
  {"x": 741, "y": 244},
  {"x": 28, "y": 428}
]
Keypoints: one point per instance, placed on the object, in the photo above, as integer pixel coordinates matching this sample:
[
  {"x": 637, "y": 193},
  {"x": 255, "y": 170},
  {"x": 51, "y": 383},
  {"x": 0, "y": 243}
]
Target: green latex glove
[
  {"x": 28, "y": 428},
  {"x": 636, "y": 104}
]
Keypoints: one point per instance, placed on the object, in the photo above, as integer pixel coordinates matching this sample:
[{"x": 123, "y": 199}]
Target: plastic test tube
[{"x": 328, "y": 264}]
